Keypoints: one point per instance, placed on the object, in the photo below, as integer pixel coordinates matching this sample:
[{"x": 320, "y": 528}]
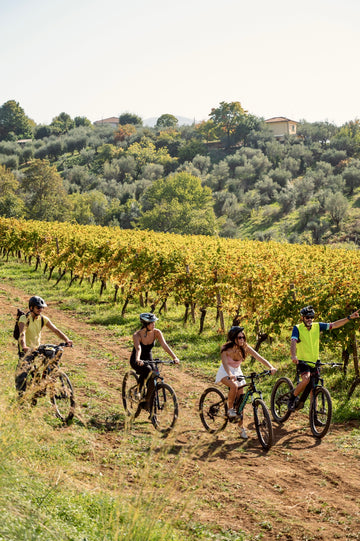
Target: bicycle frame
[
  {"x": 315, "y": 381},
  {"x": 241, "y": 402}
]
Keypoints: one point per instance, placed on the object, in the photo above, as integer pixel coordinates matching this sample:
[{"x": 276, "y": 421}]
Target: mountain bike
[
  {"x": 46, "y": 378},
  {"x": 320, "y": 411},
  {"x": 163, "y": 408},
  {"x": 213, "y": 409}
]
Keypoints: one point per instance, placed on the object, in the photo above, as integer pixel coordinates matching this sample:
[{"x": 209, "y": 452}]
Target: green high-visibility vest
[{"x": 307, "y": 349}]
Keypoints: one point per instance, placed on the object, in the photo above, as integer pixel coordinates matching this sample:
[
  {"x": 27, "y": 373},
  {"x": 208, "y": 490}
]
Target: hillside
[{"x": 230, "y": 176}]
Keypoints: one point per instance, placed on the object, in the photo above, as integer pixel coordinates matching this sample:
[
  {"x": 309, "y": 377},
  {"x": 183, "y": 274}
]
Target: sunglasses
[
  {"x": 309, "y": 317},
  {"x": 240, "y": 337}
]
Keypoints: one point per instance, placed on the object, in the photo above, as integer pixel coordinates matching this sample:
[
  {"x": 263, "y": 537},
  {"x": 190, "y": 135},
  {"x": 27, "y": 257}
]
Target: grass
[{"x": 55, "y": 482}]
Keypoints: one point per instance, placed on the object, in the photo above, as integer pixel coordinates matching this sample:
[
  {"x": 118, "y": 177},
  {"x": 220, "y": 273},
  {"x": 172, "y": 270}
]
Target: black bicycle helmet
[
  {"x": 233, "y": 332},
  {"x": 307, "y": 311},
  {"x": 147, "y": 318},
  {"x": 37, "y": 301}
]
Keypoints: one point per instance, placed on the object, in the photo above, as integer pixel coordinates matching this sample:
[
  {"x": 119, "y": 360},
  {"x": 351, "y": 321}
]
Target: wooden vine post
[{"x": 356, "y": 381}]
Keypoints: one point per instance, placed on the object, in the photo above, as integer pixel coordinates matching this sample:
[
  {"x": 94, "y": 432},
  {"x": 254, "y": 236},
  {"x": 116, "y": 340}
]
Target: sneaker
[
  {"x": 293, "y": 402},
  {"x": 232, "y": 413},
  {"x": 243, "y": 434}
]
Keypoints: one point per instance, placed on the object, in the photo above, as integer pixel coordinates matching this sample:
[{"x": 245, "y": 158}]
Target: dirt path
[{"x": 303, "y": 489}]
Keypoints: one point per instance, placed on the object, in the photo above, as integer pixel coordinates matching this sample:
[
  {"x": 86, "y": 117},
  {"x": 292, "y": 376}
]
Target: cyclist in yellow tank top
[
  {"x": 30, "y": 327},
  {"x": 305, "y": 343}
]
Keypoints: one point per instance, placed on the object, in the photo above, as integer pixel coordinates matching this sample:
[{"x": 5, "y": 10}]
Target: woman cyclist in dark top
[{"x": 144, "y": 341}]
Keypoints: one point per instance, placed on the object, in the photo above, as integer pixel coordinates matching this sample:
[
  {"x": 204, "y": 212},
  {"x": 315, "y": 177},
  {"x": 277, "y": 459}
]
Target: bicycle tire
[
  {"x": 130, "y": 393},
  {"x": 164, "y": 408},
  {"x": 280, "y": 395},
  {"x": 213, "y": 410},
  {"x": 263, "y": 424},
  {"x": 320, "y": 412},
  {"x": 62, "y": 397}
]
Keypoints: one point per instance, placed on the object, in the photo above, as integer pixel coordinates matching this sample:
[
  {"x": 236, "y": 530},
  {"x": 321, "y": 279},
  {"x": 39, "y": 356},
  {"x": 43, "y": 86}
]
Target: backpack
[{"x": 16, "y": 332}]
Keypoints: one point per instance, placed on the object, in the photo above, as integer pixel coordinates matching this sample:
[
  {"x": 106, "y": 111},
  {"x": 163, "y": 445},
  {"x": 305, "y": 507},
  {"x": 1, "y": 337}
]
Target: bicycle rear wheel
[
  {"x": 263, "y": 424},
  {"x": 213, "y": 410},
  {"x": 164, "y": 408},
  {"x": 280, "y": 396},
  {"x": 62, "y": 397},
  {"x": 320, "y": 412},
  {"x": 131, "y": 394}
]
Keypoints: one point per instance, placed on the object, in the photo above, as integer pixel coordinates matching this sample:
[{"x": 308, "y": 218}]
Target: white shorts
[{"x": 221, "y": 373}]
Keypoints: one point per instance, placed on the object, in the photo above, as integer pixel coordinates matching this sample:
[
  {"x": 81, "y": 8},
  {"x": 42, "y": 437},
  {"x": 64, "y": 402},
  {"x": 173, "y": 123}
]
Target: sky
[{"x": 102, "y": 58}]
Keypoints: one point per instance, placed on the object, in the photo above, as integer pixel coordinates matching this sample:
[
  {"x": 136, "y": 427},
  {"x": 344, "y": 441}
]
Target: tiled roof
[
  {"x": 113, "y": 119},
  {"x": 280, "y": 119}
]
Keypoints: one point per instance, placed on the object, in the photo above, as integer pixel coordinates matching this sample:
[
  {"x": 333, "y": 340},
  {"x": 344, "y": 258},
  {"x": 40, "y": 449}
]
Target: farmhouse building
[
  {"x": 281, "y": 126},
  {"x": 112, "y": 121}
]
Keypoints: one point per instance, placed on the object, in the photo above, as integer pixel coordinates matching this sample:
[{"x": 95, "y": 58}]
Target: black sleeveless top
[{"x": 145, "y": 355}]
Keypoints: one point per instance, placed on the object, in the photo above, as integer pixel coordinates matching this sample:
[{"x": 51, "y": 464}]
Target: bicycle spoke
[
  {"x": 320, "y": 412},
  {"x": 213, "y": 410},
  {"x": 164, "y": 408},
  {"x": 130, "y": 393},
  {"x": 62, "y": 397},
  {"x": 280, "y": 396},
  {"x": 263, "y": 424}
]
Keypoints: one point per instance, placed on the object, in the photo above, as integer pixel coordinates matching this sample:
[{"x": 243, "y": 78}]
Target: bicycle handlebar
[
  {"x": 158, "y": 361},
  {"x": 319, "y": 363},
  {"x": 254, "y": 375}
]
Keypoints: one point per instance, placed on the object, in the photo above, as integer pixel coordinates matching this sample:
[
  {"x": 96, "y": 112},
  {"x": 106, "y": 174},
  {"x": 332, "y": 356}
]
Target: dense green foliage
[{"x": 300, "y": 189}]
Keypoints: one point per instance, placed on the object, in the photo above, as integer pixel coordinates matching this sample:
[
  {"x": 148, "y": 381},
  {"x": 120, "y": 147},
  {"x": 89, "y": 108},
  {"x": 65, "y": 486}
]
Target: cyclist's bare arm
[
  {"x": 59, "y": 333},
  {"x": 258, "y": 357},
  {"x": 341, "y": 322},
  {"x": 22, "y": 331},
  {"x": 293, "y": 351},
  {"x": 163, "y": 344}
]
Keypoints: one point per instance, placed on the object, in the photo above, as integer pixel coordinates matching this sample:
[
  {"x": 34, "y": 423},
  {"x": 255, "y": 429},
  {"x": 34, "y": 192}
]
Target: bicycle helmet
[
  {"x": 147, "y": 318},
  {"x": 37, "y": 301},
  {"x": 233, "y": 332},
  {"x": 307, "y": 311}
]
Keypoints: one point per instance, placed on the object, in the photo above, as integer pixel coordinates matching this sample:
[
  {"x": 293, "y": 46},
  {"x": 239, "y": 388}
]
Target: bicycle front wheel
[
  {"x": 62, "y": 397},
  {"x": 213, "y": 410},
  {"x": 280, "y": 396},
  {"x": 320, "y": 412},
  {"x": 131, "y": 393},
  {"x": 263, "y": 424},
  {"x": 164, "y": 408}
]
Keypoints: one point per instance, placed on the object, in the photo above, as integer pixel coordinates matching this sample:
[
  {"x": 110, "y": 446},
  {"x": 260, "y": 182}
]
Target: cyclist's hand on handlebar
[
  {"x": 140, "y": 362},
  {"x": 69, "y": 343},
  {"x": 273, "y": 370},
  {"x": 176, "y": 360},
  {"x": 295, "y": 361}
]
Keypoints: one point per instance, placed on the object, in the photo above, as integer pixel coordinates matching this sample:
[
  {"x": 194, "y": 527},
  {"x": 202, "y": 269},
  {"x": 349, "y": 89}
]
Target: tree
[
  {"x": 124, "y": 131},
  {"x": 130, "y": 118},
  {"x": 178, "y": 204},
  {"x": 337, "y": 206},
  {"x": 8, "y": 182},
  {"x": 351, "y": 175},
  {"x": 82, "y": 121},
  {"x": 62, "y": 124},
  {"x": 227, "y": 117},
  {"x": 45, "y": 196},
  {"x": 207, "y": 129},
  {"x": 166, "y": 121},
  {"x": 14, "y": 124},
  {"x": 11, "y": 206}
]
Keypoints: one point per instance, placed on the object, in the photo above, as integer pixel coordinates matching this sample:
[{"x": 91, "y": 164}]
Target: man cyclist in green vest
[{"x": 305, "y": 342}]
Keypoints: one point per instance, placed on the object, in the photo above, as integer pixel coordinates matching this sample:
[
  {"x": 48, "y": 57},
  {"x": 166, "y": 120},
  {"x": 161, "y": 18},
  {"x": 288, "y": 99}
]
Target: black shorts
[{"x": 302, "y": 368}]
